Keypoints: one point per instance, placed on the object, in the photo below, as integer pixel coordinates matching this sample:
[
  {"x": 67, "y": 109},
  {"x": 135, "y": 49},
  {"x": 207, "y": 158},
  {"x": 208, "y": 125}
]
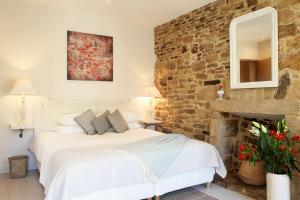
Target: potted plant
[
  {"x": 278, "y": 152},
  {"x": 251, "y": 170}
]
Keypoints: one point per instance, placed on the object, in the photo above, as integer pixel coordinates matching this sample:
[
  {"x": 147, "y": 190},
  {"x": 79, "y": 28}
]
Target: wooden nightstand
[
  {"x": 150, "y": 122},
  {"x": 21, "y": 128}
]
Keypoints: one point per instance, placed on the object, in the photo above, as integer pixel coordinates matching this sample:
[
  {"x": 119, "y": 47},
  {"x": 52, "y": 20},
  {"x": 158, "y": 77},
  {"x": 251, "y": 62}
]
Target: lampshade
[
  {"x": 151, "y": 91},
  {"x": 23, "y": 86}
]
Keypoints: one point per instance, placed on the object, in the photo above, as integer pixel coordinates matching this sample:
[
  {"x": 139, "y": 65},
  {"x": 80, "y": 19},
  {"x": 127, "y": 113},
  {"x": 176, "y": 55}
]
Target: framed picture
[{"x": 90, "y": 57}]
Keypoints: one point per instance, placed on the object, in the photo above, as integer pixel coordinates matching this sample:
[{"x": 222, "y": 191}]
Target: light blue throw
[{"x": 158, "y": 152}]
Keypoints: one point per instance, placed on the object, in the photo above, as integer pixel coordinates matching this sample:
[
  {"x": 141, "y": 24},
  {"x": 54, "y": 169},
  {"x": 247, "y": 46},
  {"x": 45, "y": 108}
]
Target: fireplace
[{"x": 229, "y": 126}]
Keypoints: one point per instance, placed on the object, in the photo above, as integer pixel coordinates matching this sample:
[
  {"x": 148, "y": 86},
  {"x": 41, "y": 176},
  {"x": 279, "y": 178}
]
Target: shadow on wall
[{"x": 7, "y": 77}]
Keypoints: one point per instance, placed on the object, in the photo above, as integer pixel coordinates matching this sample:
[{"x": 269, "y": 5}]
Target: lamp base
[{"x": 22, "y": 123}]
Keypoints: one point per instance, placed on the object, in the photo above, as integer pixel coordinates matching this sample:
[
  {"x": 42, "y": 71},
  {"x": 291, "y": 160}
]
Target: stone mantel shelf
[{"x": 269, "y": 107}]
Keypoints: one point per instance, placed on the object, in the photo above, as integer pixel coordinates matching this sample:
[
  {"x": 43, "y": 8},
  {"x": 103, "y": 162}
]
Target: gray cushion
[
  {"x": 101, "y": 123},
  {"x": 118, "y": 122},
  {"x": 85, "y": 122}
]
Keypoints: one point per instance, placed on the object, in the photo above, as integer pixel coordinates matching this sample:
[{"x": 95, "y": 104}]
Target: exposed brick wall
[{"x": 194, "y": 48}]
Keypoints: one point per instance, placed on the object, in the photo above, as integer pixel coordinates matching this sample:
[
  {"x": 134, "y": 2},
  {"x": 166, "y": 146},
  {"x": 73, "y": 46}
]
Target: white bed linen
[
  {"x": 146, "y": 190},
  {"x": 77, "y": 165}
]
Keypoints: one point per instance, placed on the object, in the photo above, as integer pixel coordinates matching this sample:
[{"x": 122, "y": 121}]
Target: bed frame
[
  {"x": 153, "y": 191},
  {"x": 47, "y": 111}
]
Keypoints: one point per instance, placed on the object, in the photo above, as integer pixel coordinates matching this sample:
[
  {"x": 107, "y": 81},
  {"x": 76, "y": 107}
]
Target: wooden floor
[{"x": 21, "y": 189}]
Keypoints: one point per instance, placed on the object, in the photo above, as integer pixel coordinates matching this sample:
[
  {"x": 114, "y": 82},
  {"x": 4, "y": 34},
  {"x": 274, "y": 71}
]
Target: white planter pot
[{"x": 278, "y": 187}]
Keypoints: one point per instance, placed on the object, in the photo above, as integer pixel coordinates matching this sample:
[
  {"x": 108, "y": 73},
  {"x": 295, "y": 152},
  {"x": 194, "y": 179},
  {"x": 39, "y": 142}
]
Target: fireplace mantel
[{"x": 270, "y": 107}]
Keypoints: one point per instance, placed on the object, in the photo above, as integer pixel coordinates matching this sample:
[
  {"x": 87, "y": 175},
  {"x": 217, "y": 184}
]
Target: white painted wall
[
  {"x": 248, "y": 50},
  {"x": 265, "y": 49},
  {"x": 254, "y": 50},
  {"x": 33, "y": 44}
]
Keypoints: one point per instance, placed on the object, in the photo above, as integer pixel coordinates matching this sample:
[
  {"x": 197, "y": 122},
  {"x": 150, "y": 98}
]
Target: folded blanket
[{"x": 154, "y": 155}]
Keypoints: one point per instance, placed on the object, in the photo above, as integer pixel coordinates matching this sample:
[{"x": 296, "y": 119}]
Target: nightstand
[
  {"x": 21, "y": 128},
  {"x": 150, "y": 122}
]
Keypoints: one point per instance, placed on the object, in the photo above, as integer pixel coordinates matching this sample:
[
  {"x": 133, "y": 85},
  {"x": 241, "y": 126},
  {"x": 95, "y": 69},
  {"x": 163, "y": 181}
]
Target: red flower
[
  {"x": 242, "y": 147},
  {"x": 282, "y": 147},
  {"x": 272, "y": 132},
  {"x": 294, "y": 151},
  {"x": 248, "y": 155},
  {"x": 253, "y": 149},
  {"x": 219, "y": 86},
  {"x": 296, "y": 138},
  {"x": 280, "y": 136},
  {"x": 242, "y": 157}
]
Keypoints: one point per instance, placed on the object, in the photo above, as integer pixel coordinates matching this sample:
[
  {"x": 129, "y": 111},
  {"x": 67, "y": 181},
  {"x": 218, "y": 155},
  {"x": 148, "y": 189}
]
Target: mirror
[{"x": 254, "y": 50}]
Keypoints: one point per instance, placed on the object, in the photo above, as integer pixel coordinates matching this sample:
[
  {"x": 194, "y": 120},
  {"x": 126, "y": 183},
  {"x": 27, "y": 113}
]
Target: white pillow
[
  {"x": 69, "y": 129},
  {"x": 135, "y": 125},
  {"x": 130, "y": 116},
  {"x": 67, "y": 119}
]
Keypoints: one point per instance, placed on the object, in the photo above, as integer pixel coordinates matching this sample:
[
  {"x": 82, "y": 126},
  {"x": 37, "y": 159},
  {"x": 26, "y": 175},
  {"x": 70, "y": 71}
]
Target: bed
[{"x": 81, "y": 167}]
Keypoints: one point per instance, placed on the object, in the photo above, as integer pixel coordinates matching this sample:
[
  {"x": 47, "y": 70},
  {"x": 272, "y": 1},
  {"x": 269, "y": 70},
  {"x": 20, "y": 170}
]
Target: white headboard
[{"x": 47, "y": 111}]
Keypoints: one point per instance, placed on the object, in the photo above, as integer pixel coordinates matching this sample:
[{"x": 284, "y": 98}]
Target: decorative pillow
[
  {"x": 111, "y": 130},
  {"x": 118, "y": 122},
  {"x": 85, "y": 122},
  {"x": 101, "y": 123},
  {"x": 67, "y": 119},
  {"x": 69, "y": 129}
]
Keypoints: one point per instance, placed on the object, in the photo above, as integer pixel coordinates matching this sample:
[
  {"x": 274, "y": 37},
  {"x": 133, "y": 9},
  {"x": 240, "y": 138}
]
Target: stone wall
[
  {"x": 193, "y": 55},
  {"x": 193, "y": 49}
]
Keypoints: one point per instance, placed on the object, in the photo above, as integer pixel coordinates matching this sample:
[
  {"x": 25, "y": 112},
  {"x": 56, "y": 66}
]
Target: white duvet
[{"x": 76, "y": 164}]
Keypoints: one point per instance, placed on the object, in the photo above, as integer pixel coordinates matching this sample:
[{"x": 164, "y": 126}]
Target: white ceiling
[{"x": 145, "y": 12}]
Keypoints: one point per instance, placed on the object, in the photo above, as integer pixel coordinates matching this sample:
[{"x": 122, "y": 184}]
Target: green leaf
[{"x": 278, "y": 126}]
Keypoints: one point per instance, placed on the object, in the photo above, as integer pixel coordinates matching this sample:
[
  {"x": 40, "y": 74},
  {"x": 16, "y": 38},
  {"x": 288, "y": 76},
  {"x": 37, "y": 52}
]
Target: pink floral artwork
[{"x": 90, "y": 57}]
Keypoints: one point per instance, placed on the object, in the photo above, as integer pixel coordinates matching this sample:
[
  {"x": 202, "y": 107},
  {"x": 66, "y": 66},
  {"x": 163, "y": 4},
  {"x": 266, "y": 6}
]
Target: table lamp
[
  {"x": 151, "y": 92},
  {"x": 23, "y": 86}
]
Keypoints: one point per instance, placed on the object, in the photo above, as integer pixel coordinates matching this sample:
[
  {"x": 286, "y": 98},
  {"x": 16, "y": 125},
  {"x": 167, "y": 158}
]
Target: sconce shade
[
  {"x": 23, "y": 86},
  {"x": 151, "y": 91}
]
